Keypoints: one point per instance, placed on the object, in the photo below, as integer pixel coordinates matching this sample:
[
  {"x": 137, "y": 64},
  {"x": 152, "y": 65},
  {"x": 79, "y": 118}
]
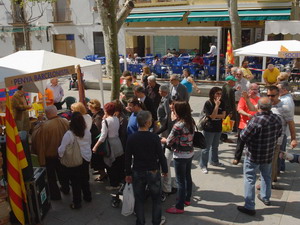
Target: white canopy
[
  {"x": 28, "y": 62},
  {"x": 282, "y": 27},
  {"x": 267, "y": 48}
]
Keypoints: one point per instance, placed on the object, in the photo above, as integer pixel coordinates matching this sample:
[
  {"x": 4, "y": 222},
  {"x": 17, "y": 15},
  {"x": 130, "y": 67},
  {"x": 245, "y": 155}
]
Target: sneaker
[
  {"x": 204, "y": 170},
  {"x": 163, "y": 220},
  {"x": 187, "y": 203},
  {"x": 246, "y": 211},
  {"x": 111, "y": 188},
  {"x": 174, "y": 210},
  {"x": 266, "y": 202},
  {"x": 218, "y": 164}
]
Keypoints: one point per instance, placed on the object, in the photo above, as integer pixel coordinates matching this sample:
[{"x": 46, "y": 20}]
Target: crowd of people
[{"x": 151, "y": 126}]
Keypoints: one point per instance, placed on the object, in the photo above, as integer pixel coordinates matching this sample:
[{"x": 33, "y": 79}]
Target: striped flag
[
  {"x": 229, "y": 51},
  {"x": 16, "y": 161},
  {"x": 11, "y": 91}
]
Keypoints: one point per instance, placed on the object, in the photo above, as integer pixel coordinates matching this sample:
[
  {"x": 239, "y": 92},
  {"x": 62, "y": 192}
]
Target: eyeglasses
[
  {"x": 172, "y": 79},
  {"x": 238, "y": 74},
  {"x": 271, "y": 96}
]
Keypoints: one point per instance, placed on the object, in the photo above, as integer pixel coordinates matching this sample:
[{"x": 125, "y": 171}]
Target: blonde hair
[
  {"x": 94, "y": 103},
  {"x": 78, "y": 107},
  {"x": 283, "y": 76},
  {"x": 146, "y": 70}
]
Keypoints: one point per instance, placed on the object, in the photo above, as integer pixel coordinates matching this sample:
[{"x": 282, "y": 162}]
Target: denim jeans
[
  {"x": 184, "y": 181},
  {"x": 212, "y": 142},
  {"x": 250, "y": 179},
  {"x": 281, "y": 162},
  {"x": 152, "y": 180}
]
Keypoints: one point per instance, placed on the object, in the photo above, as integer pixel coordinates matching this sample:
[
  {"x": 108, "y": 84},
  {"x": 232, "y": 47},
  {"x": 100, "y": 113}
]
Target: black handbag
[
  {"x": 104, "y": 149},
  {"x": 199, "y": 139}
]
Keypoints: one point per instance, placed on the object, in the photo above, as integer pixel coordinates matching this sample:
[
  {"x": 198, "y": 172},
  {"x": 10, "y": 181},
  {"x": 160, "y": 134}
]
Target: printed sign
[
  {"x": 289, "y": 54},
  {"x": 38, "y": 76}
]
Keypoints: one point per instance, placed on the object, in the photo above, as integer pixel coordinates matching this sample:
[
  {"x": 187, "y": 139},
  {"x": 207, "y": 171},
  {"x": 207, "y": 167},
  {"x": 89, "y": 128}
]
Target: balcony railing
[{"x": 59, "y": 15}]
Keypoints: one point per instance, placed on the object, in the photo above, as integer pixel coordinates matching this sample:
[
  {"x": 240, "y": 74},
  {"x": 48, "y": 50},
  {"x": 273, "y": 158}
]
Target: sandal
[
  {"x": 101, "y": 178},
  {"x": 73, "y": 206}
]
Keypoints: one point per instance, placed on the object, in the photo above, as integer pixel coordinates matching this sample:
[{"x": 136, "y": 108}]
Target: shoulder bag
[
  {"x": 199, "y": 139},
  {"x": 72, "y": 155},
  {"x": 104, "y": 149}
]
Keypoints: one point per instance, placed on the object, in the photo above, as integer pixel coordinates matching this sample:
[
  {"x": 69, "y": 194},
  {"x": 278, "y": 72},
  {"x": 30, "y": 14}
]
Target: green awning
[
  {"x": 154, "y": 17},
  {"x": 246, "y": 15}
]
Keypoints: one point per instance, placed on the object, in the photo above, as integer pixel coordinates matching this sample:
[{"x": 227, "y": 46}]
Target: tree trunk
[
  {"x": 110, "y": 26},
  {"x": 295, "y": 15},
  {"x": 26, "y": 37},
  {"x": 236, "y": 27}
]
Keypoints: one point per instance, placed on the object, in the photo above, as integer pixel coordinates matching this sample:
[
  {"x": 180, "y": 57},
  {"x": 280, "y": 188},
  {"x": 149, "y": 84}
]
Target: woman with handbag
[
  {"x": 114, "y": 156},
  {"x": 214, "y": 109},
  {"x": 180, "y": 140},
  {"x": 79, "y": 175},
  {"x": 97, "y": 114}
]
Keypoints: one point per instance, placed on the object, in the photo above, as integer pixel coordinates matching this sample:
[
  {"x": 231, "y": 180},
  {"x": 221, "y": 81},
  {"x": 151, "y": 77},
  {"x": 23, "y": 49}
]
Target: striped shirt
[
  {"x": 261, "y": 136},
  {"x": 181, "y": 140}
]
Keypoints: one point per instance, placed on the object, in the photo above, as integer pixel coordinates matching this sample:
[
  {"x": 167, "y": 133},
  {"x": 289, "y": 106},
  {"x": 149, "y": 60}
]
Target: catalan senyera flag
[
  {"x": 16, "y": 161},
  {"x": 229, "y": 51}
]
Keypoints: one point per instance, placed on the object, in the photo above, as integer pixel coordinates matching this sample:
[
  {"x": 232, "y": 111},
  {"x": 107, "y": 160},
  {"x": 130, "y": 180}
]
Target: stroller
[{"x": 115, "y": 201}]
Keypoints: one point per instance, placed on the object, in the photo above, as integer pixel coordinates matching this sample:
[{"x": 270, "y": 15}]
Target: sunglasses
[{"x": 271, "y": 96}]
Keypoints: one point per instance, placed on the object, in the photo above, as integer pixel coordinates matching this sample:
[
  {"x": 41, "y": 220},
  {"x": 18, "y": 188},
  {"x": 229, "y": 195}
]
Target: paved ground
[{"x": 215, "y": 195}]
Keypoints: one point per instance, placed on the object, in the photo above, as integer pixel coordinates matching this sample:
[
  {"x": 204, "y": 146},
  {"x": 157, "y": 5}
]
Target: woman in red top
[{"x": 245, "y": 116}]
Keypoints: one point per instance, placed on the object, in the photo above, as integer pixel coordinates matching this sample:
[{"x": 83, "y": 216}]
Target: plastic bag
[
  {"x": 128, "y": 200},
  {"x": 227, "y": 124}
]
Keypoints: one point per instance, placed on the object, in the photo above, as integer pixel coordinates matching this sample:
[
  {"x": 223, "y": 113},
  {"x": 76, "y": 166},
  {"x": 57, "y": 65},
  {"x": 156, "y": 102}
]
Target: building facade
[
  {"x": 65, "y": 26},
  {"x": 73, "y": 27},
  {"x": 199, "y": 13}
]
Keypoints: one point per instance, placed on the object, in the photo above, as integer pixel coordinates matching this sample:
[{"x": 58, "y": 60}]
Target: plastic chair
[
  {"x": 176, "y": 69},
  {"x": 160, "y": 71},
  {"x": 136, "y": 69},
  {"x": 69, "y": 101}
]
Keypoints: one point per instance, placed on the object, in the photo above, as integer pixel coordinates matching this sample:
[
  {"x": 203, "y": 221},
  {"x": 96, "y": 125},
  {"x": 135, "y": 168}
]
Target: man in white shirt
[
  {"x": 241, "y": 84},
  {"x": 212, "y": 51},
  {"x": 287, "y": 99},
  {"x": 58, "y": 92}
]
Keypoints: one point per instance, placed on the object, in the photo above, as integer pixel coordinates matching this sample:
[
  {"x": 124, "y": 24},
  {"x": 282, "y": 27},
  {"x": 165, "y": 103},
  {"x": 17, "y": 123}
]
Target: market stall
[{"x": 33, "y": 68}]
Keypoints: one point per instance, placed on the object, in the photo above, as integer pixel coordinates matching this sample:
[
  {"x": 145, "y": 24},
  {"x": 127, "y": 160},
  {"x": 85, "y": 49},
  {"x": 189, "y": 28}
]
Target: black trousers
[
  {"x": 239, "y": 147},
  {"x": 79, "y": 177},
  {"x": 116, "y": 172},
  {"x": 55, "y": 171}
]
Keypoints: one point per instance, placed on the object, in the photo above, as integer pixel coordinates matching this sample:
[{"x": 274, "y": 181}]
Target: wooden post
[{"x": 80, "y": 86}]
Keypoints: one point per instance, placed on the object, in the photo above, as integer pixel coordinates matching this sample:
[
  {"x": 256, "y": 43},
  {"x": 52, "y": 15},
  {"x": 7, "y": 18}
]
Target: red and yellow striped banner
[
  {"x": 229, "y": 50},
  {"x": 16, "y": 161}
]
